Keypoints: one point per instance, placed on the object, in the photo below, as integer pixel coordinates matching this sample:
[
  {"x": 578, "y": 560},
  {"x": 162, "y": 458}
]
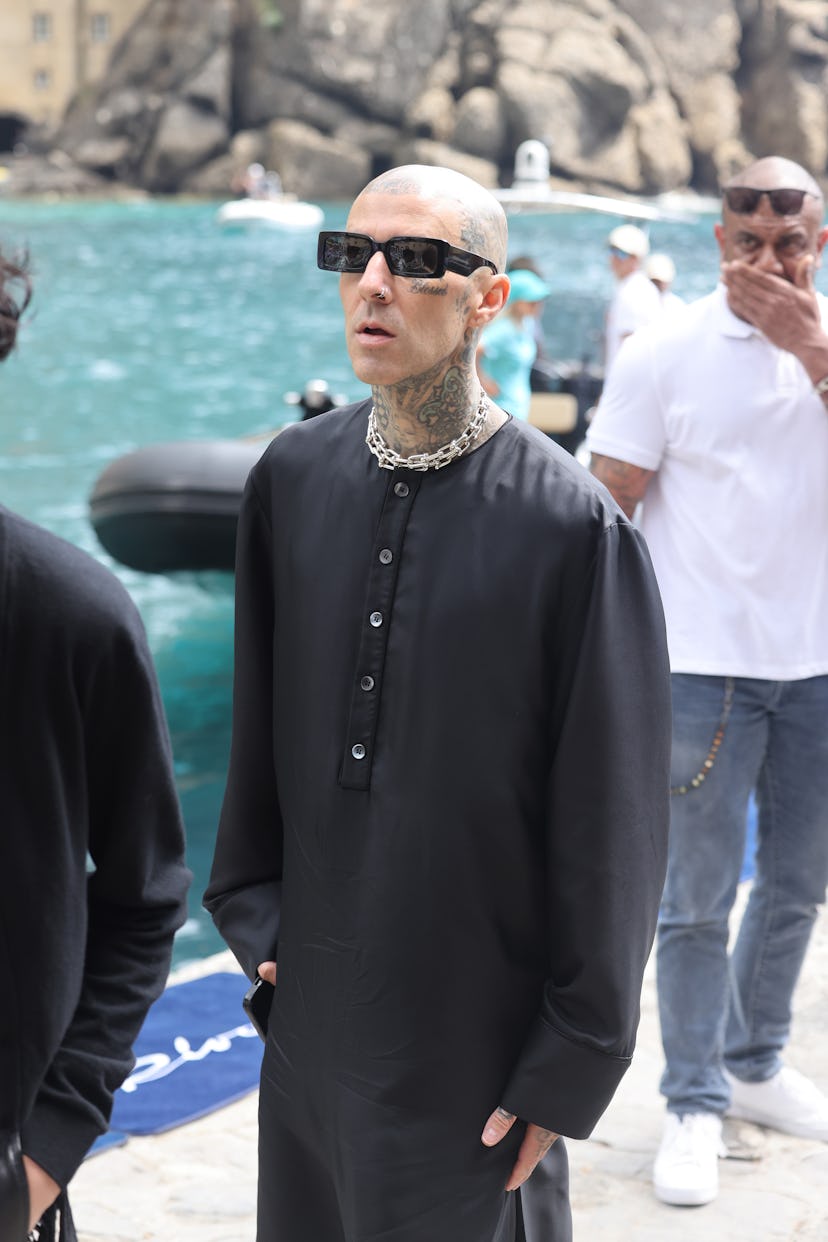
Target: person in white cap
[
  {"x": 661, "y": 270},
  {"x": 636, "y": 300}
]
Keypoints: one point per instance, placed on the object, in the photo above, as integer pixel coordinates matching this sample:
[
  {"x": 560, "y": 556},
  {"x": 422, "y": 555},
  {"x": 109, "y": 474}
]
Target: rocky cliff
[{"x": 639, "y": 96}]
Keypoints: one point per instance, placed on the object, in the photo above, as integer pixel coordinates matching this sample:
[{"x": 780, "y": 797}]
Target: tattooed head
[
  {"x": 412, "y": 333},
  {"x": 480, "y": 219}
]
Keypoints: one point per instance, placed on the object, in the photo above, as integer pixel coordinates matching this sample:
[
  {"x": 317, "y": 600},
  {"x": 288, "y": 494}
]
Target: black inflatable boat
[{"x": 174, "y": 506}]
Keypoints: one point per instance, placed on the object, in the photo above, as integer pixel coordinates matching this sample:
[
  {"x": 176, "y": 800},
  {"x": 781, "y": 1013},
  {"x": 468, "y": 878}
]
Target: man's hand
[
  {"x": 786, "y": 312},
  {"x": 267, "y": 971},
  {"x": 535, "y": 1145},
  {"x": 42, "y": 1190}
]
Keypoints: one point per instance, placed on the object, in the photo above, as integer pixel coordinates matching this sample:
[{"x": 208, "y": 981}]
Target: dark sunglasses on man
[
  {"x": 425, "y": 258},
  {"x": 743, "y": 200}
]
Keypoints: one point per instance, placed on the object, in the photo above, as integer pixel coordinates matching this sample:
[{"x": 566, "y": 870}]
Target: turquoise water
[{"x": 149, "y": 324}]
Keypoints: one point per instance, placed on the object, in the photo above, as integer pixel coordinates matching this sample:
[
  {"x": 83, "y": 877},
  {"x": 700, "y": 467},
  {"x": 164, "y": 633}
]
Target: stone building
[{"x": 49, "y": 49}]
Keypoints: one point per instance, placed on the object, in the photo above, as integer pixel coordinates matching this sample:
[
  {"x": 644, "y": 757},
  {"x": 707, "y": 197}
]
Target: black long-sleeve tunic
[{"x": 446, "y": 810}]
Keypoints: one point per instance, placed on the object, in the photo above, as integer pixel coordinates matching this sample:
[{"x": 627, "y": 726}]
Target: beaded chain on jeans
[{"x": 718, "y": 737}]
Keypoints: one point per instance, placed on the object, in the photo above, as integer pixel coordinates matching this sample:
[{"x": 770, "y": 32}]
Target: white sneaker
[
  {"x": 789, "y": 1102},
  {"x": 686, "y": 1169}
]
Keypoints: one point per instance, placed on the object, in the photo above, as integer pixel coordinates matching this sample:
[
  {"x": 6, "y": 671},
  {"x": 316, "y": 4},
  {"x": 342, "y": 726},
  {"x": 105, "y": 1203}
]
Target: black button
[
  {"x": 367, "y": 683},
  {"x": 401, "y": 489},
  {"x": 386, "y": 556}
]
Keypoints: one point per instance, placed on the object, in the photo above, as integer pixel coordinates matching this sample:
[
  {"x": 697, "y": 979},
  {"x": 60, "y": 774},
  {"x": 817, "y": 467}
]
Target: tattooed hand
[{"x": 535, "y": 1145}]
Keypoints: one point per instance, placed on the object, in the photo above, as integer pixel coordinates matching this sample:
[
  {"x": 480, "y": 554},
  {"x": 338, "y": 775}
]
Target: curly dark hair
[{"x": 15, "y": 294}]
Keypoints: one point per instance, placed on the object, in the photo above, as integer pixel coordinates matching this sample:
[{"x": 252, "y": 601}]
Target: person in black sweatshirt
[{"x": 92, "y": 874}]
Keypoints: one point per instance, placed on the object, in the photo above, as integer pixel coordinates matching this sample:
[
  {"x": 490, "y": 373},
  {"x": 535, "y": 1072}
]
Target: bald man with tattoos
[
  {"x": 713, "y": 429},
  {"x": 444, "y": 829}
]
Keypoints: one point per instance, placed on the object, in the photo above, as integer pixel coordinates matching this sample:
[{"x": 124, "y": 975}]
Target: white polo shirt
[
  {"x": 736, "y": 517},
  {"x": 635, "y": 303}
]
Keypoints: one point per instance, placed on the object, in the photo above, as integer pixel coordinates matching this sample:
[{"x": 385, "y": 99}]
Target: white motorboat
[
  {"x": 284, "y": 211},
  {"x": 530, "y": 191}
]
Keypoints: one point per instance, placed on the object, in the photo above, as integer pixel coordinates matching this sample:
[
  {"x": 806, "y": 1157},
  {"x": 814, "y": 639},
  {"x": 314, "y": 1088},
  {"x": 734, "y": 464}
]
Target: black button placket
[{"x": 358, "y": 751}]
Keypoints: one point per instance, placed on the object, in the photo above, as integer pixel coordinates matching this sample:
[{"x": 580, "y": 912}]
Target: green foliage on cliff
[{"x": 270, "y": 15}]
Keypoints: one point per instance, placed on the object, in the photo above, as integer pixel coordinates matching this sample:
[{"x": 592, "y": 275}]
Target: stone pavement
[{"x": 197, "y": 1183}]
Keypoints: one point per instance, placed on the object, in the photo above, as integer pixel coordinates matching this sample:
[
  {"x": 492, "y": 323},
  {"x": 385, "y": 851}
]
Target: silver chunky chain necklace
[{"x": 389, "y": 460}]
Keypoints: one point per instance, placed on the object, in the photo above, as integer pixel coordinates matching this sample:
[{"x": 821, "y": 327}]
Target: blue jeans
[{"x": 718, "y": 1010}]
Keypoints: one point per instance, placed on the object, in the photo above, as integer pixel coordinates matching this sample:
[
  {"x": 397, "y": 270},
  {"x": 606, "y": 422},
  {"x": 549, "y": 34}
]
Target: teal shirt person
[{"x": 509, "y": 346}]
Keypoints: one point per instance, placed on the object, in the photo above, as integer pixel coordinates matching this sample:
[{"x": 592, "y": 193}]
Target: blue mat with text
[{"x": 196, "y": 1052}]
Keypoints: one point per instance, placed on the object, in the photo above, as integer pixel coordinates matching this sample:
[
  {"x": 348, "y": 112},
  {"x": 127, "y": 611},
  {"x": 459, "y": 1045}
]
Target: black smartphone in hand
[{"x": 256, "y": 1004}]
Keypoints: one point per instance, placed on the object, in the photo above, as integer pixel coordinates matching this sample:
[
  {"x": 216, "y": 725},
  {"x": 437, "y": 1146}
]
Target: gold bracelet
[{"x": 821, "y": 386}]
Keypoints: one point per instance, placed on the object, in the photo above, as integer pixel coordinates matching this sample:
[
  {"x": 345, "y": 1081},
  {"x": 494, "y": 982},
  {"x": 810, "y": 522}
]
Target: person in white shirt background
[
  {"x": 661, "y": 271},
  {"x": 635, "y": 301}
]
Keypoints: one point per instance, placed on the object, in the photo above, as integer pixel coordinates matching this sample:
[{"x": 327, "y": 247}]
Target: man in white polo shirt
[
  {"x": 715, "y": 423},
  {"x": 636, "y": 300}
]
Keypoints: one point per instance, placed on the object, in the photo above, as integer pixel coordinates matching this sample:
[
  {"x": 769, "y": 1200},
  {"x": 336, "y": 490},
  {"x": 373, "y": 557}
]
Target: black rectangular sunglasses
[
  {"x": 424, "y": 257},
  {"x": 744, "y": 199}
]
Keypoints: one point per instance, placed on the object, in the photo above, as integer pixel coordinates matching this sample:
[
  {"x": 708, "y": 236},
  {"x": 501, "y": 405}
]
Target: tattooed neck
[{"x": 421, "y": 414}]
